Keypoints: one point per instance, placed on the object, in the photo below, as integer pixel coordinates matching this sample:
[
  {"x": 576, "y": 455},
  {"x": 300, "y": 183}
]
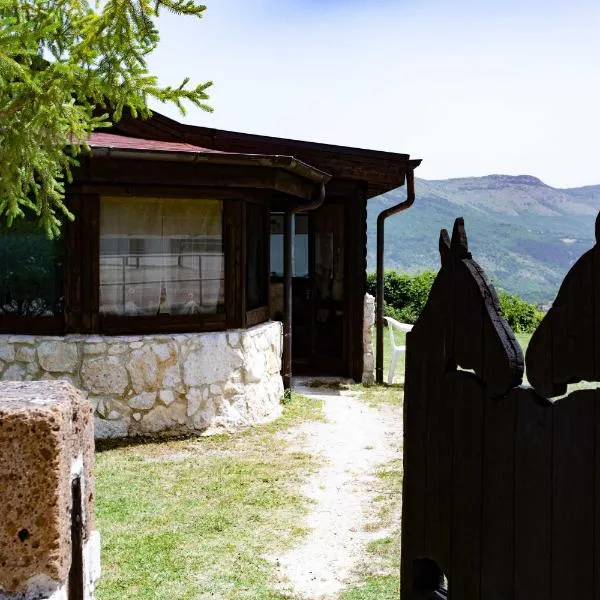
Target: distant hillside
[{"x": 523, "y": 232}]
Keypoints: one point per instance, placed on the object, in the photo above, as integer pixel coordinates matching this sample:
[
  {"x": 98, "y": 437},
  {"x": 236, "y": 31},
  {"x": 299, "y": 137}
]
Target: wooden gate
[{"x": 501, "y": 493}]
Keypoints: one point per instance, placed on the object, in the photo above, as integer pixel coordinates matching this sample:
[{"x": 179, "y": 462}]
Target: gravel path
[{"x": 354, "y": 441}]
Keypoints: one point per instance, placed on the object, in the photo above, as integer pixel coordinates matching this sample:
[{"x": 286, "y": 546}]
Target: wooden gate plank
[
  {"x": 438, "y": 496},
  {"x": 533, "y": 495},
  {"x": 464, "y": 579},
  {"x": 497, "y": 560},
  {"x": 573, "y": 496},
  {"x": 415, "y": 467}
]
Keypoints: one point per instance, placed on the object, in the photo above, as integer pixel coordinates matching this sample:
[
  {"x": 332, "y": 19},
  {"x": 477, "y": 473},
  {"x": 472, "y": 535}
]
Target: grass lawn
[{"x": 193, "y": 518}]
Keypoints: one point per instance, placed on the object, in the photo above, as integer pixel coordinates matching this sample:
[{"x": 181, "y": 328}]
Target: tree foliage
[
  {"x": 522, "y": 316},
  {"x": 406, "y": 295},
  {"x": 59, "y": 61}
]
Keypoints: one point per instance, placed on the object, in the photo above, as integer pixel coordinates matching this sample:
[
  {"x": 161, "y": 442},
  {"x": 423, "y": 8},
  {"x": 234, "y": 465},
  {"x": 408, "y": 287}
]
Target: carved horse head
[
  {"x": 566, "y": 346},
  {"x": 462, "y": 321}
]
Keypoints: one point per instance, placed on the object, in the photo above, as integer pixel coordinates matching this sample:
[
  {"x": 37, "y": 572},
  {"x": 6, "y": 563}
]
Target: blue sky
[{"x": 472, "y": 87}]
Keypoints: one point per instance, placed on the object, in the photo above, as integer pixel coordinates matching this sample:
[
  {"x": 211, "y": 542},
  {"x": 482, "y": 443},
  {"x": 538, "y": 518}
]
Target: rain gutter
[{"x": 381, "y": 218}]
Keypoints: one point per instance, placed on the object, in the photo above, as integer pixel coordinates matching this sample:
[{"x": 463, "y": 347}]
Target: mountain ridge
[{"x": 525, "y": 233}]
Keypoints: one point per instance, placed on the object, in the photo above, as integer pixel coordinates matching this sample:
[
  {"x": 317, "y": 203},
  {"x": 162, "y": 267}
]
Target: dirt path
[{"x": 354, "y": 441}]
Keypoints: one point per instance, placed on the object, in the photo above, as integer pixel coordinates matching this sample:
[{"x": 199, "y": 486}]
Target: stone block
[
  {"x": 167, "y": 397},
  {"x": 212, "y": 362},
  {"x": 7, "y": 351},
  {"x": 46, "y": 440},
  {"x": 104, "y": 429},
  {"x": 25, "y": 354},
  {"x": 163, "y": 419},
  {"x": 14, "y": 373},
  {"x": 143, "y": 401},
  {"x": 143, "y": 369},
  {"x": 95, "y": 348},
  {"x": 104, "y": 375},
  {"x": 58, "y": 356}
]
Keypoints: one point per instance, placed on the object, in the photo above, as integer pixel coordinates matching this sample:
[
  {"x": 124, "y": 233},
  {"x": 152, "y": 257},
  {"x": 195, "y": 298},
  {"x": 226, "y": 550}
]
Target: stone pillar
[
  {"x": 368, "y": 376},
  {"x": 48, "y": 549}
]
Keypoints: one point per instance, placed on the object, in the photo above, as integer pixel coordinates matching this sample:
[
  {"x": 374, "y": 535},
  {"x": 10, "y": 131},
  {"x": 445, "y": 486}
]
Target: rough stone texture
[
  {"x": 58, "y": 356},
  {"x": 46, "y": 439},
  {"x": 168, "y": 384},
  {"x": 368, "y": 376}
]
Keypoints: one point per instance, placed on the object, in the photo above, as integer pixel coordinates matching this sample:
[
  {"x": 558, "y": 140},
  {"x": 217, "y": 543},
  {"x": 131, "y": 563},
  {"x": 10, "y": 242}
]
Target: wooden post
[{"x": 288, "y": 259}]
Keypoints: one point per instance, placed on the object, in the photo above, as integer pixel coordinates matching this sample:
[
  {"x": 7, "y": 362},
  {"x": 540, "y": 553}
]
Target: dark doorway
[{"x": 318, "y": 300}]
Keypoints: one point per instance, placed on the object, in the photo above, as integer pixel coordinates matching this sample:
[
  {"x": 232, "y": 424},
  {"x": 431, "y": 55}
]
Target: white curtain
[{"x": 160, "y": 256}]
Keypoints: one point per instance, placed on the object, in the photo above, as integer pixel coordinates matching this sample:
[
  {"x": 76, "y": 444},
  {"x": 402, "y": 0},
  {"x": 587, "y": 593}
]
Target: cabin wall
[
  {"x": 355, "y": 200},
  {"x": 149, "y": 384}
]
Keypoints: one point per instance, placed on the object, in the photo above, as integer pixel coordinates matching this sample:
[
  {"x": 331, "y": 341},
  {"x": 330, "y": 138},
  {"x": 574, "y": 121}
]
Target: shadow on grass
[{"x": 146, "y": 440}]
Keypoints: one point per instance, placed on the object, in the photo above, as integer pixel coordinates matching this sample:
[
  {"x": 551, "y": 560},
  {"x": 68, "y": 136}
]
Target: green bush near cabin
[{"x": 406, "y": 295}]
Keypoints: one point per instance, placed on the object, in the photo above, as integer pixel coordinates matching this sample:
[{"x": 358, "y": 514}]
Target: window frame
[
  {"x": 257, "y": 314},
  {"x": 161, "y": 324},
  {"x": 114, "y": 324},
  {"x": 38, "y": 325},
  {"x": 81, "y": 277}
]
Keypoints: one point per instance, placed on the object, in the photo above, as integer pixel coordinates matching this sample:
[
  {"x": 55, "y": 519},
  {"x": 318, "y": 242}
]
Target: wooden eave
[
  {"x": 279, "y": 173},
  {"x": 379, "y": 171}
]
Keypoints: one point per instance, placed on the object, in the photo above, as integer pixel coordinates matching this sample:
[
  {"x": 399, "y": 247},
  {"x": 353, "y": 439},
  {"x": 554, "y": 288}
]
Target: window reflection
[
  {"x": 31, "y": 271},
  {"x": 300, "y": 249}
]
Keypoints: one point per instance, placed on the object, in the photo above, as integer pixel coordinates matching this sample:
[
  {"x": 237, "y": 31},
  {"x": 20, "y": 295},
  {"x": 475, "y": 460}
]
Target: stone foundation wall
[
  {"x": 160, "y": 383},
  {"x": 368, "y": 377}
]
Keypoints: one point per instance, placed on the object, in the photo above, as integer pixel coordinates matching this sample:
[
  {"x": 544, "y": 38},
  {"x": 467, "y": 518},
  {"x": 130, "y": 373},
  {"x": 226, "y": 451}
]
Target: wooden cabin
[{"x": 180, "y": 230}]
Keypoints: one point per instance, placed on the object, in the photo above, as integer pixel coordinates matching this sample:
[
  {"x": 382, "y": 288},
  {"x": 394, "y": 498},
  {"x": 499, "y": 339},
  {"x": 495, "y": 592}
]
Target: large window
[
  {"x": 300, "y": 247},
  {"x": 31, "y": 272},
  {"x": 161, "y": 256}
]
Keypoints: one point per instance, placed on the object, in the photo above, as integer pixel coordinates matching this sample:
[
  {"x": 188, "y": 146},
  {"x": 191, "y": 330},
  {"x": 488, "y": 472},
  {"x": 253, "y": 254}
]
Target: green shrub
[
  {"x": 522, "y": 316},
  {"x": 406, "y": 295}
]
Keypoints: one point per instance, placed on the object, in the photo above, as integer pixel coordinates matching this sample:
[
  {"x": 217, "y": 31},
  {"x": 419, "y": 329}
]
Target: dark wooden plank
[
  {"x": 32, "y": 325},
  {"x": 596, "y": 300},
  {"x": 439, "y": 448},
  {"x": 73, "y": 266},
  {"x": 354, "y": 279},
  {"x": 533, "y": 496},
  {"x": 597, "y": 499},
  {"x": 166, "y": 190},
  {"x": 573, "y": 496},
  {"x": 117, "y": 325},
  {"x": 89, "y": 226},
  {"x": 498, "y": 525},
  {"x": 256, "y": 316},
  {"x": 465, "y": 573},
  {"x": 234, "y": 282},
  {"x": 569, "y": 330},
  {"x": 415, "y": 466},
  {"x": 469, "y": 314},
  {"x": 148, "y": 172}
]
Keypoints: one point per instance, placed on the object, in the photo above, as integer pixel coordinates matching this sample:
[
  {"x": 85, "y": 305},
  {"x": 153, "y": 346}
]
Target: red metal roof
[{"x": 110, "y": 140}]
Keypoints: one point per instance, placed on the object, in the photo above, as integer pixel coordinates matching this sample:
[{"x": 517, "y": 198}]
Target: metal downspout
[
  {"x": 383, "y": 215},
  {"x": 287, "y": 285}
]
